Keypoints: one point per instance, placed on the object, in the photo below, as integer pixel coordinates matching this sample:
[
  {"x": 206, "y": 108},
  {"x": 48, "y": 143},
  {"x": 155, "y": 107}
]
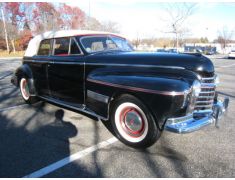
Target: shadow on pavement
[
  {"x": 161, "y": 148},
  {"x": 24, "y": 150},
  {"x": 226, "y": 94}
]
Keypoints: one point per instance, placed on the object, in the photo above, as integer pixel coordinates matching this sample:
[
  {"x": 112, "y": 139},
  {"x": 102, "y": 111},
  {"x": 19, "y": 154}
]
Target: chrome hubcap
[{"x": 133, "y": 121}]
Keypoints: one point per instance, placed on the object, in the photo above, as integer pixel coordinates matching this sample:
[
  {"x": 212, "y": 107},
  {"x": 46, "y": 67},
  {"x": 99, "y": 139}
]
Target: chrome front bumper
[{"x": 191, "y": 123}]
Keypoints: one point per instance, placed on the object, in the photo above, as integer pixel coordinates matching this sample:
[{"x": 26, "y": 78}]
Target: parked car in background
[
  {"x": 162, "y": 50},
  {"x": 231, "y": 54},
  {"x": 172, "y": 50},
  {"x": 139, "y": 94},
  {"x": 167, "y": 50},
  {"x": 210, "y": 52}
]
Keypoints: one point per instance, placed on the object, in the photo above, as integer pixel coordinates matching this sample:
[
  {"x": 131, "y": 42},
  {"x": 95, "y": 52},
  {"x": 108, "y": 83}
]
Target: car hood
[{"x": 193, "y": 62}]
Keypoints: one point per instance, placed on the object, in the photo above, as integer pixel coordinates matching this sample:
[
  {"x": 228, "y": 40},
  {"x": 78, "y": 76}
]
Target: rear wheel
[
  {"x": 24, "y": 89},
  {"x": 132, "y": 122}
]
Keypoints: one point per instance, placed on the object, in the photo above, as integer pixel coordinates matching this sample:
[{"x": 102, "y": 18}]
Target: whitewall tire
[
  {"x": 24, "y": 89},
  {"x": 132, "y": 122}
]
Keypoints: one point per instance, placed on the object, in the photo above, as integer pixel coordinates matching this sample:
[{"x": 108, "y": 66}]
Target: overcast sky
[{"x": 145, "y": 17}]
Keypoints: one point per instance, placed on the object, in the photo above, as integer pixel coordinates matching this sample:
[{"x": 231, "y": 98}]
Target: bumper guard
[{"x": 190, "y": 123}]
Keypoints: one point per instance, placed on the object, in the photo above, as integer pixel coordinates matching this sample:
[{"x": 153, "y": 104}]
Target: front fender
[{"x": 163, "y": 95}]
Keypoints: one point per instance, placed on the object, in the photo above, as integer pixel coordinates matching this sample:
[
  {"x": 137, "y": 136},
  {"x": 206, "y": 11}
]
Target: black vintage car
[{"x": 139, "y": 94}]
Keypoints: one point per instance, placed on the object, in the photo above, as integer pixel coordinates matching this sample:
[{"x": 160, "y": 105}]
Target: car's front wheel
[
  {"x": 24, "y": 89},
  {"x": 132, "y": 122}
]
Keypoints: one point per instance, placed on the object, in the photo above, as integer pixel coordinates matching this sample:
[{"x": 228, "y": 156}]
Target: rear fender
[{"x": 25, "y": 71}]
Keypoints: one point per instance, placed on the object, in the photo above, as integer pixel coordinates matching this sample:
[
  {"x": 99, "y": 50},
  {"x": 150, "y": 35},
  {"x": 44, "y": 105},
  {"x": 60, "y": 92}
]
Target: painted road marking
[
  {"x": 225, "y": 66},
  {"x": 46, "y": 170}
]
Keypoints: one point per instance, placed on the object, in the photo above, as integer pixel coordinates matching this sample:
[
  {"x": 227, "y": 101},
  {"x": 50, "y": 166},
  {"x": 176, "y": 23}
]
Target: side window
[
  {"x": 74, "y": 47},
  {"x": 61, "y": 46},
  {"x": 44, "y": 49}
]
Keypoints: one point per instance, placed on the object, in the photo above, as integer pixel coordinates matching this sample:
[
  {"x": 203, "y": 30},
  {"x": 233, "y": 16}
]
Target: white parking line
[
  {"x": 226, "y": 66},
  {"x": 13, "y": 107},
  {"x": 50, "y": 168}
]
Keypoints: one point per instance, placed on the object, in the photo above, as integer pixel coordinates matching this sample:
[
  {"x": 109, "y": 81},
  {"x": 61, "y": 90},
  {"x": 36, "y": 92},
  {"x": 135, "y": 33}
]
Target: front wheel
[
  {"x": 132, "y": 123},
  {"x": 24, "y": 89}
]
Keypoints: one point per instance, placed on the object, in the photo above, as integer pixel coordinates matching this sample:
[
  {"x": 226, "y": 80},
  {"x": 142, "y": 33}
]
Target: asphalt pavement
[{"x": 44, "y": 140}]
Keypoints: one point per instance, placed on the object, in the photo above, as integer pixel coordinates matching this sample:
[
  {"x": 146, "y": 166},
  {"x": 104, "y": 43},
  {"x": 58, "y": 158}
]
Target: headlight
[
  {"x": 196, "y": 88},
  {"x": 217, "y": 81}
]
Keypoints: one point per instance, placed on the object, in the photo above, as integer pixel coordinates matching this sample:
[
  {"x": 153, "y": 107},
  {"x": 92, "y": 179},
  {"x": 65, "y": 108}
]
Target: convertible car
[{"x": 138, "y": 94}]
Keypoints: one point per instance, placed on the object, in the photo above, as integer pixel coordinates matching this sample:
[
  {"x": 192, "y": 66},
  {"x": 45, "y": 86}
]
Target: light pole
[
  {"x": 175, "y": 30},
  {"x": 5, "y": 31}
]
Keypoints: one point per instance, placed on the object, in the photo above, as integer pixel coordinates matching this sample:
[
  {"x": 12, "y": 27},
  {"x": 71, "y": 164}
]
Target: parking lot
[{"x": 44, "y": 140}]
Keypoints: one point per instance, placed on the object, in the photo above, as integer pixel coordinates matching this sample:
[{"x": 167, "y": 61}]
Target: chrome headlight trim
[
  {"x": 217, "y": 80},
  {"x": 196, "y": 88},
  {"x": 195, "y": 92}
]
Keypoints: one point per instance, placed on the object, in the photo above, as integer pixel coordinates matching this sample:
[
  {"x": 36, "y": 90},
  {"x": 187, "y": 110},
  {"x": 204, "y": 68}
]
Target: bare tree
[
  {"x": 4, "y": 28},
  {"x": 224, "y": 37},
  {"x": 110, "y": 26},
  {"x": 93, "y": 24},
  {"x": 177, "y": 14},
  {"x": 137, "y": 41}
]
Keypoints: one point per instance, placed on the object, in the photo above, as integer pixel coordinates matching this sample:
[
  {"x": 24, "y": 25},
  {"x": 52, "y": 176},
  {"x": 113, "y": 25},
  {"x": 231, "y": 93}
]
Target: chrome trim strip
[
  {"x": 70, "y": 63},
  {"x": 208, "y": 101},
  {"x": 108, "y": 64},
  {"x": 170, "y": 93},
  {"x": 97, "y": 96},
  {"x": 203, "y": 111},
  {"x": 207, "y": 87},
  {"x": 210, "y": 105},
  {"x": 136, "y": 65},
  {"x": 207, "y": 92},
  {"x": 208, "y": 84},
  {"x": 74, "y": 108},
  {"x": 54, "y": 62},
  {"x": 37, "y": 61},
  {"x": 210, "y": 78},
  {"x": 205, "y": 97}
]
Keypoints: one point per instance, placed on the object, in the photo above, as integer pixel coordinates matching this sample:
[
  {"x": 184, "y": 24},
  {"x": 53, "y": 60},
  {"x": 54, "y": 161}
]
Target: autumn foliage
[{"x": 24, "y": 20}]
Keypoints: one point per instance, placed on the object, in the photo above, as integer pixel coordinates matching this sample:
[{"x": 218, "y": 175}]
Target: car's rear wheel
[
  {"x": 133, "y": 123},
  {"x": 24, "y": 89}
]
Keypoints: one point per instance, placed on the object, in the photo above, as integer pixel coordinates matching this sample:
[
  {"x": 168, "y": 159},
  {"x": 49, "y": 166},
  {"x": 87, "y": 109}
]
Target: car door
[
  {"x": 66, "y": 74},
  {"x": 39, "y": 65}
]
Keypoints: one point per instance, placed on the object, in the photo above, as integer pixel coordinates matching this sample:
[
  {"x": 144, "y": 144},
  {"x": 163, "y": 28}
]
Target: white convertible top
[{"x": 35, "y": 42}]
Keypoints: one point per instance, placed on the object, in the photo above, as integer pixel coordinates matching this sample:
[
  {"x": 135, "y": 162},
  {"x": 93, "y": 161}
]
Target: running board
[{"x": 82, "y": 108}]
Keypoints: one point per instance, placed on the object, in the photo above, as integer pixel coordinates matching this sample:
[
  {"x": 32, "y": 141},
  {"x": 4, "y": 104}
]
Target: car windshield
[{"x": 105, "y": 43}]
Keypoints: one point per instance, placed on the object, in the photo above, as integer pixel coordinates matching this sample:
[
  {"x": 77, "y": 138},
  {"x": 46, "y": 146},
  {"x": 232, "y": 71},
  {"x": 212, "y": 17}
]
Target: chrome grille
[{"x": 206, "y": 96}]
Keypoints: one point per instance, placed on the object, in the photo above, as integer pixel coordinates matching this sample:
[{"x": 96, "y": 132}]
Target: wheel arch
[
  {"x": 25, "y": 71},
  {"x": 118, "y": 94}
]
